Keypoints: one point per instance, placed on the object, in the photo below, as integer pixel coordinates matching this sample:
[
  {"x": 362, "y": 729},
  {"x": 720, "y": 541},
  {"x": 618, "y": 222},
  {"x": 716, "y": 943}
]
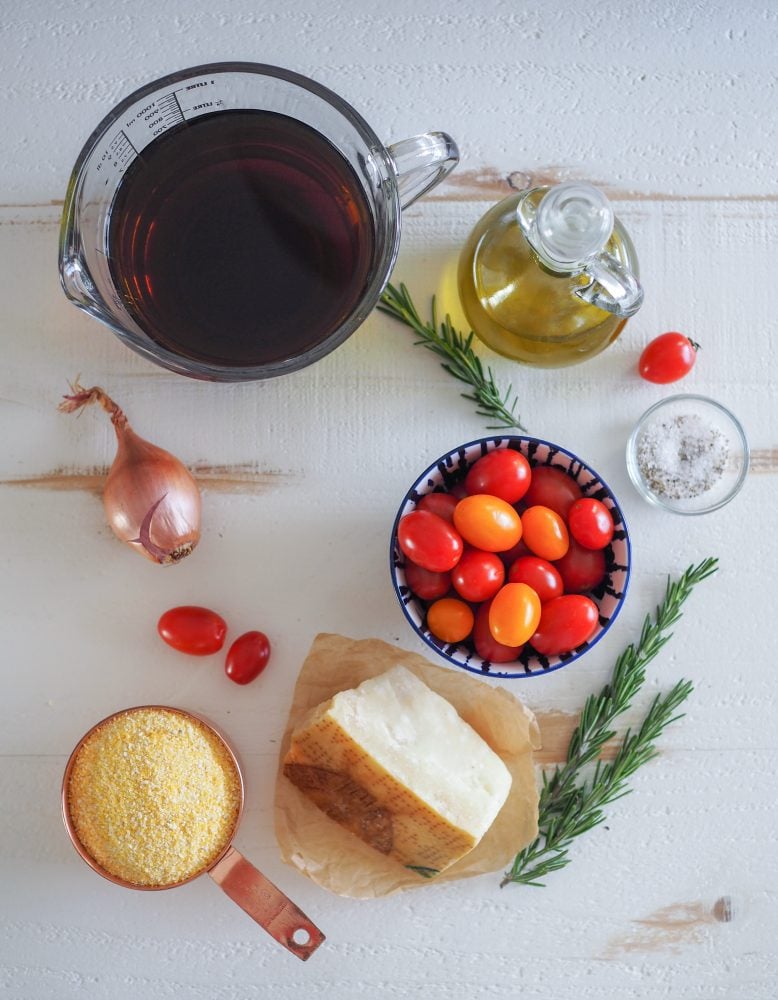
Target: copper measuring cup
[{"x": 243, "y": 883}]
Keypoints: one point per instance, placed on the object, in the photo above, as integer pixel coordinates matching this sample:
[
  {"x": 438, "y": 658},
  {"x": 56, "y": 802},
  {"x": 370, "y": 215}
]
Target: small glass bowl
[{"x": 688, "y": 454}]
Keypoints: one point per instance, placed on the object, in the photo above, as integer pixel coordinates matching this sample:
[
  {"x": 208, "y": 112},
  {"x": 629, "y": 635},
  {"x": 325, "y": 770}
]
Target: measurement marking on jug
[
  {"x": 119, "y": 153},
  {"x": 177, "y": 111}
]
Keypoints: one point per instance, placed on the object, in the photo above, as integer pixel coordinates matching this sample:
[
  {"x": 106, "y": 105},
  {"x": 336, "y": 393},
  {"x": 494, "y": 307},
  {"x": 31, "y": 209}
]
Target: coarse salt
[{"x": 681, "y": 457}]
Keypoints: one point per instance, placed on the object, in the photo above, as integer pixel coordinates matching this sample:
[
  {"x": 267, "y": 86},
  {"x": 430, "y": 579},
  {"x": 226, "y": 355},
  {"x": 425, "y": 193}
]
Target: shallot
[{"x": 151, "y": 500}]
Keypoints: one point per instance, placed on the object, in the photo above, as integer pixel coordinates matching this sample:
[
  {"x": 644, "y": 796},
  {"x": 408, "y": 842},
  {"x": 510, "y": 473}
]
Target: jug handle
[
  {"x": 612, "y": 286},
  {"x": 421, "y": 162},
  {"x": 265, "y": 903}
]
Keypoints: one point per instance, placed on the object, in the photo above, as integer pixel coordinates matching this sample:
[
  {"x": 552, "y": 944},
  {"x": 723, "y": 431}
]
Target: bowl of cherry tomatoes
[{"x": 510, "y": 556}]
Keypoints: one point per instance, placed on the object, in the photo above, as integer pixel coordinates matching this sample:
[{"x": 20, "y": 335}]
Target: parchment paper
[{"x": 339, "y": 861}]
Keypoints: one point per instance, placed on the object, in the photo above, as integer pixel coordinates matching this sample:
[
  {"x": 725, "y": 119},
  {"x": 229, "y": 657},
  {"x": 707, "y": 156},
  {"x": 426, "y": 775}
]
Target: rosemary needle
[
  {"x": 571, "y": 804},
  {"x": 459, "y": 358}
]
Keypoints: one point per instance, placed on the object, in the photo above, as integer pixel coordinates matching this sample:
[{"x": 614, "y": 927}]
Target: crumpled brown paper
[{"x": 339, "y": 861}]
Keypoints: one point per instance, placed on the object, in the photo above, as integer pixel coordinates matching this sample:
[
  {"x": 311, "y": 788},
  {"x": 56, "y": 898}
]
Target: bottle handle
[
  {"x": 421, "y": 162},
  {"x": 266, "y": 904},
  {"x": 612, "y": 287}
]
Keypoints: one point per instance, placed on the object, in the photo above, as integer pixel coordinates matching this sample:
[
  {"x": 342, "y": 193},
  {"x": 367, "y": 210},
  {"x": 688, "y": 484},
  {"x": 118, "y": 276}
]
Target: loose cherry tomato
[
  {"x": 426, "y": 584},
  {"x": 667, "y": 358},
  {"x": 247, "y": 657},
  {"x": 545, "y": 532},
  {"x": 565, "y": 623},
  {"x": 581, "y": 569},
  {"x": 514, "y": 614},
  {"x": 429, "y": 541},
  {"x": 487, "y": 647},
  {"x": 552, "y": 487},
  {"x": 538, "y": 574},
  {"x": 450, "y": 620},
  {"x": 590, "y": 523},
  {"x": 502, "y": 473},
  {"x": 194, "y": 630},
  {"x": 487, "y": 522},
  {"x": 478, "y": 575},
  {"x": 442, "y": 504}
]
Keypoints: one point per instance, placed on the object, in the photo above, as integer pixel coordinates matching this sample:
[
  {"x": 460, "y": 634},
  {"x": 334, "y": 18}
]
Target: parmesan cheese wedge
[{"x": 394, "y": 763}]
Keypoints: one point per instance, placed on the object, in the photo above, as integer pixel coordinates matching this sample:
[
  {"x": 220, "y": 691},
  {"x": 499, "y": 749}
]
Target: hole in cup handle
[
  {"x": 422, "y": 162},
  {"x": 266, "y": 904}
]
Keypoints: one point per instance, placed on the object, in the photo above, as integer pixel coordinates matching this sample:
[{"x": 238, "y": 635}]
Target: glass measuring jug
[
  {"x": 548, "y": 277},
  {"x": 131, "y": 835},
  {"x": 237, "y": 221}
]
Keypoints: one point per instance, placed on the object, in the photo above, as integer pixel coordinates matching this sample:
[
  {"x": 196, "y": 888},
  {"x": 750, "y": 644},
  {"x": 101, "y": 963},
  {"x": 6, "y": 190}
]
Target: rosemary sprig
[
  {"x": 571, "y": 805},
  {"x": 459, "y": 358}
]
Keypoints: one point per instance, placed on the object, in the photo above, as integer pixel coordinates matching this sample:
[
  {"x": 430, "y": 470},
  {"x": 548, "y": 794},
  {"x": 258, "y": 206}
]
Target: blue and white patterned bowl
[{"x": 450, "y": 470}]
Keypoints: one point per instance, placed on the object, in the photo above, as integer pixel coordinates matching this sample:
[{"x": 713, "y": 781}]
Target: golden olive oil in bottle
[{"x": 548, "y": 276}]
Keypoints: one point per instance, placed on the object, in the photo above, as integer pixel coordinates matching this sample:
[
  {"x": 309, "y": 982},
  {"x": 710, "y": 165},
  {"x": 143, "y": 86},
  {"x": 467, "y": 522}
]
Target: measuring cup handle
[
  {"x": 612, "y": 287},
  {"x": 266, "y": 904},
  {"x": 422, "y": 162}
]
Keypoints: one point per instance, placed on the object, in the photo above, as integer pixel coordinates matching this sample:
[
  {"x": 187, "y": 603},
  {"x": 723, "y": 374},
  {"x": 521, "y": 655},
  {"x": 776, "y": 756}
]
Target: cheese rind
[{"x": 394, "y": 763}]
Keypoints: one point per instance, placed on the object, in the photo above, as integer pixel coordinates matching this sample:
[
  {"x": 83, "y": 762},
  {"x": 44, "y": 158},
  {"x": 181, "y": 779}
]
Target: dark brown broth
[{"x": 241, "y": 238}]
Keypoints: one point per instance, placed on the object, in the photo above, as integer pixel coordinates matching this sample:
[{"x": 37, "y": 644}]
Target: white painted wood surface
[{"x": 673, "y": 110}]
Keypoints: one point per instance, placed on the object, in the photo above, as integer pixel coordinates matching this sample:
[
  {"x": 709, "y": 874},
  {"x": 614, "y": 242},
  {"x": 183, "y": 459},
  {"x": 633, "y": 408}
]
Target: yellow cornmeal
[{"x": 153, "y": 796}]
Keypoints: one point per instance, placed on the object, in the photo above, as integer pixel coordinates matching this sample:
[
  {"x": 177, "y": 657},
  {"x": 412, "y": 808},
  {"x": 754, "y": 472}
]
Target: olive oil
[{"x": 521, "y": 308}]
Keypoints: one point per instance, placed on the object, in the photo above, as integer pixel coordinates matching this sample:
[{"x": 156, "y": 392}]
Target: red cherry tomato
[
  {"x": 667, "y": 358},
  {"x": 487, "y": 647},
  {"x": 478, "y": 575},
  {"x": 194, "y": 630},
  {"x": 510, "y": 556},
  {"x": 426, "y": 584},
  {"x": 487, "y": 522},
  {"x": 565, "y": 623},
  {"x": 429, "y": 541},
  {"x": 538, "y": 574},
  {"x": 552, "y": 487},
  {"x": 514, "y": 614},
  {"x": 247, "y": 657},
  {"x": 442, "y": 504},
  {"x": 581, "y": 569},
  {"x": 450, "y": 620},
  {"x": 545, "y": 532},
  {"x": 502, "y": 473},
  {"x": 590, "y": 523}
]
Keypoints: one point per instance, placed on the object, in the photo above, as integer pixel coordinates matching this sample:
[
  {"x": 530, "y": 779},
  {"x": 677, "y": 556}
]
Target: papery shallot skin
[{"x": 151, "y": 500}]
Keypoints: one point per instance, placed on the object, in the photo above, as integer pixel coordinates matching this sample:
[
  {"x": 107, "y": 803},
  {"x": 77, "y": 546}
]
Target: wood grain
[
  {"x": 556, "y": 728},
  {"x": 244, "y": 477},
  {"x": 478, "y": 184},
  {"x": 240, "y": 478},
  {"x": 670, "y": 928}
]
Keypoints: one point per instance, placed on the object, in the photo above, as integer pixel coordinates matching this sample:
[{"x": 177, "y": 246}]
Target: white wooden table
[{"x": 673, "y": 112}]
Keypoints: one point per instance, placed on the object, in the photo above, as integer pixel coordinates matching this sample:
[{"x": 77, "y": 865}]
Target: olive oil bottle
[{"x": 548, "y": 277}]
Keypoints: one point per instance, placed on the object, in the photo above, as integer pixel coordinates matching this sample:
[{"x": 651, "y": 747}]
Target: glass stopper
[{"x": 574, "y": 222}]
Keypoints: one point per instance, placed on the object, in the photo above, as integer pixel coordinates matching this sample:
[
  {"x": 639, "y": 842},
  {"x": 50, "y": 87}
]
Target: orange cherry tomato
[
  {"x": 487, "y": 647},
  {"x": 449, "y": 619},
  {"x": 545, "y": 532},
  {"x": 514, "y": 614},
  {"x": 487, "y": 522}
]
